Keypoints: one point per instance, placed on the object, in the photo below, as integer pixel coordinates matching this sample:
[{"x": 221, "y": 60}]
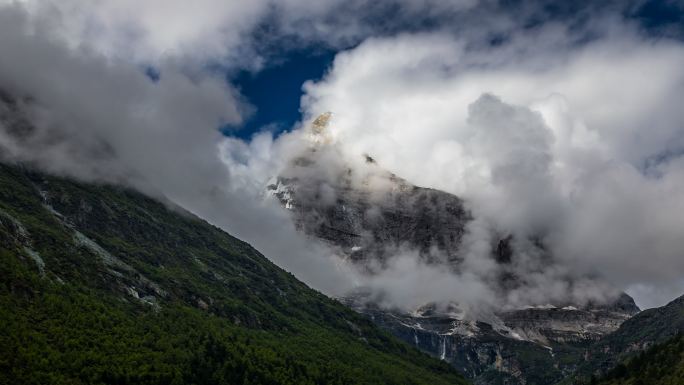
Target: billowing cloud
[
  {"x": 568, "y": 135},
  {"x": 225, "y": 33},
  {"x": 78, "y": 113},
  {"x": 580, "y": 146}
]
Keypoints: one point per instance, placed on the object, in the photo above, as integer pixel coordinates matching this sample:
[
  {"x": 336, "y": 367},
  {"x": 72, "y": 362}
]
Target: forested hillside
[
  {"x": 645, "y": 329},
  {"x": 662, "y": 365},
  {"x": 103, "y": 285}
]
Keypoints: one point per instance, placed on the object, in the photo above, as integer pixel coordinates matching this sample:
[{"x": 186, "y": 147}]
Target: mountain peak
[
  {"x": 371, "y": 216},
  {"x": 319, "y": 133}
]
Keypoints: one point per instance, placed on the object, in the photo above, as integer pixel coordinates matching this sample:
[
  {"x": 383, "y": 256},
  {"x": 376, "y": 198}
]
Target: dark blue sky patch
[
  {"x": 275, "y": 91},
  {"x": 661, "y": 17}
]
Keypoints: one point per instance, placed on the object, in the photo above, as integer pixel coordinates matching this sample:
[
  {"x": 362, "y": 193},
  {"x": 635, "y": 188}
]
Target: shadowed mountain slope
[
  {"x": 636, "y": 335},
  {"x": 103, "y": 285}
]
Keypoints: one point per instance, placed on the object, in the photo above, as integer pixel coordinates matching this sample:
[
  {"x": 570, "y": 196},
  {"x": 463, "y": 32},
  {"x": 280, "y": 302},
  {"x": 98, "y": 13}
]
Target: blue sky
[{"x": 275, "y": 91}]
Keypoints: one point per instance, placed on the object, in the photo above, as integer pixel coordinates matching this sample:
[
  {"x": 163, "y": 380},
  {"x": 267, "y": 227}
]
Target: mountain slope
[
  {"x": 662, "y": 364},
  {"x": 371, "y": 215},
  {"x": 649, "y": 327},
  {"x": 102, "y": 285},
  {"x": 532, "y": 346}
]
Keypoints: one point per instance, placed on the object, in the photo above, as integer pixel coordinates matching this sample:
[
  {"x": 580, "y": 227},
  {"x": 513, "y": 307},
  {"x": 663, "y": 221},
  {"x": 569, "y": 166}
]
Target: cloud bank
[
  {"x": 78, "y": 113},
  {"x": 569, "y": 134},
  {"x": 580, "y": 146}
]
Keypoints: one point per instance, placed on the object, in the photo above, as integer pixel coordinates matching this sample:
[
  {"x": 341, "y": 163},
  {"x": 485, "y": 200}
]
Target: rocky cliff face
[
  {"x": 370, "y": 225},
  {"x": 363, "y": 209},
  {"x": 527, "y": 346},
  {"x": 369, "y": 214}
]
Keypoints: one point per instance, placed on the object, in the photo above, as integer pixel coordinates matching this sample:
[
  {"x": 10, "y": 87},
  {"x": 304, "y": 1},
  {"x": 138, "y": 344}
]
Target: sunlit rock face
[{"x": 369, "y": 215}]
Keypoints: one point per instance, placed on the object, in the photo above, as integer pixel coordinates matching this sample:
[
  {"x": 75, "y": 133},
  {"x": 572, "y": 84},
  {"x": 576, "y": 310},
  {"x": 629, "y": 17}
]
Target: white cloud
[
  {"x": 100, "y": 118},
  {"x": 218, "y": 31},
  {"x": 558, "y": 152},
  {"x": 542, "y": 135}
]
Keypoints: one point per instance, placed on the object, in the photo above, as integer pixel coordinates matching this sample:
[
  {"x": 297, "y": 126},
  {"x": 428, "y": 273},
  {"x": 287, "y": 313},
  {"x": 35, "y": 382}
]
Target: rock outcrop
[{"x": 370, "y": 214}]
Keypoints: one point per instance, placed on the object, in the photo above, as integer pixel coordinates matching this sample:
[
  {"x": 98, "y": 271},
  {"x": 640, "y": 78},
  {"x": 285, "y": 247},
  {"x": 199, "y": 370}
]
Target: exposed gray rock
[
  {"x": 369, "y": 214},
  {"x": 524, "y": 346},
  {"x": 370, "y": 225},
  {"x": 528, "y": 346},
  {"x": 35, "y": 256}
]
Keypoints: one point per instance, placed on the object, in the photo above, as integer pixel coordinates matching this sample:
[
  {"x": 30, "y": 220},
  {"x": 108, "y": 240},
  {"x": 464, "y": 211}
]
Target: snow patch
[
  {"x": 517, "y": 336},
  {"x": 282, "y": 192}
]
